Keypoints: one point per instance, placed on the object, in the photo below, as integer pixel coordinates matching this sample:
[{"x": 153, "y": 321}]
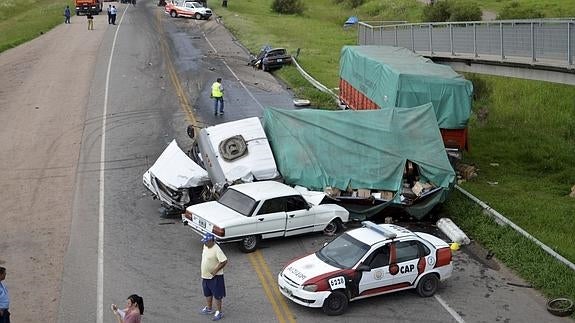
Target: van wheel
[
  {"x": 249, "y": 244},
  {"x": 335, "y": 304},
  {"x": 428, "y": 285},
  {"x": 173, "y": 14},
  {"x": 332, "y": 228}
]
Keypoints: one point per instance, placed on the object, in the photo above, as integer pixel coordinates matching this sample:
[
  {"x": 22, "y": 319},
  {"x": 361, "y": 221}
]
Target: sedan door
[
  {"x": 378, "y": 279},
  {"x": 271, "y": 218},
  {"x": 299, "y": 218}
]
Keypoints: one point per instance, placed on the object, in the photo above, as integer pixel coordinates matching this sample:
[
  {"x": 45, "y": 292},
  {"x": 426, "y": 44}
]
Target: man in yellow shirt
[
  {"x": 218, "y": 96},
  {"x": 212, "y": 267}
]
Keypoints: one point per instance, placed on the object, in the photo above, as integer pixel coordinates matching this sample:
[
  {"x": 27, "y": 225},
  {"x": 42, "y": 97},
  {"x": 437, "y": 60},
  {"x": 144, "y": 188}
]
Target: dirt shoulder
[{"x": 44, "y": 87}]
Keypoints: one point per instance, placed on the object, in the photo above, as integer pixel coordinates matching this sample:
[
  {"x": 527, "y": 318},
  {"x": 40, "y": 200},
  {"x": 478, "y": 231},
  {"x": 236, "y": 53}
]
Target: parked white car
[
  {"x": 253, "y": 211},
  {"x": 365, "y": 262}
]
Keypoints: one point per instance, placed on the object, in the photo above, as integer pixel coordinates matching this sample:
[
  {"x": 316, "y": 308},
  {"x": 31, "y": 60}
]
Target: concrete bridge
[{"x": 542, "y": 49}]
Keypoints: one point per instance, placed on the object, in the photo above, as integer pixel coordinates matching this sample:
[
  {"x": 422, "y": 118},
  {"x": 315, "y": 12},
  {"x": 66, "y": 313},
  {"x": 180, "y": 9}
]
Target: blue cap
[{"x": 208, "y": 237}]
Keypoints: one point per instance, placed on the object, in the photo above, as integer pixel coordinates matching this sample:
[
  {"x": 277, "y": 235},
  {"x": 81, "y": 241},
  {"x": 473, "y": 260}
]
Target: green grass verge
[{"x": 23, "y": 20}]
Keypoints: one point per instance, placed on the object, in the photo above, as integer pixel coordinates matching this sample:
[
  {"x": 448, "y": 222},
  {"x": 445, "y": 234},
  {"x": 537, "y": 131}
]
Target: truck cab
[{"x": 88, "y": 6}]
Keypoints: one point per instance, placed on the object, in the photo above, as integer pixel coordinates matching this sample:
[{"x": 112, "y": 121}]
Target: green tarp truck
[
  {"x": 379, "y": 77},
  {"x": 354, "y": 151}
]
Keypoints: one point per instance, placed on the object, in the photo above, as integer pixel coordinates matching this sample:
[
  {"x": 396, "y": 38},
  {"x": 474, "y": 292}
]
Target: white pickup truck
[{"x": 190, "y": 9}]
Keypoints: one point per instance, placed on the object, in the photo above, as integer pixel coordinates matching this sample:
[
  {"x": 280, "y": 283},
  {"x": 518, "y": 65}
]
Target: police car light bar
[{"x": 386, "y": 233}]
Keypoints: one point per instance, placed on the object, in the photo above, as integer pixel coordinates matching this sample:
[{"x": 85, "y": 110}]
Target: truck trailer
[{"x": 379, "y": 77}]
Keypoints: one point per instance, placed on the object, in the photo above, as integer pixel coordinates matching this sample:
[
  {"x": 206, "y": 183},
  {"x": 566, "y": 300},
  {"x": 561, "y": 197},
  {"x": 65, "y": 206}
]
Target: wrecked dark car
[{"x": 271, "y": 58}]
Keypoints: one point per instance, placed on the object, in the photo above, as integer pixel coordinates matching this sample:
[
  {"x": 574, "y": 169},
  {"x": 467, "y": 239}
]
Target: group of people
[{"x": 112, "y": 13}]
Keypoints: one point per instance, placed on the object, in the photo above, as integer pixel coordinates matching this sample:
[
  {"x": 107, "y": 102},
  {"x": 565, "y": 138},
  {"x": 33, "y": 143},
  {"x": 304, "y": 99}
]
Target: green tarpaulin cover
[
  {"x": 397, "y": 77},
  {"x": 358, "y": 149}
]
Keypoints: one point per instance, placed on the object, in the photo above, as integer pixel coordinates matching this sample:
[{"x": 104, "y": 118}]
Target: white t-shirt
[{"x": 211, "y": 257}]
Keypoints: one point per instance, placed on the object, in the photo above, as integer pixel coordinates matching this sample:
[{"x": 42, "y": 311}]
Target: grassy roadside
[
  {"x": 23, "y": 20},
  {"x": 528, "y": 136}
]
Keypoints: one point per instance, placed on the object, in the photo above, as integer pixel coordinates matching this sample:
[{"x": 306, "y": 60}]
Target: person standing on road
[
  {"x": 90, "y": 21},
  {"x": 109, "y": 14},
  {"x": 4, "y": 298},
  {"x": 133, "y": 311},
  {"x": 218, "y": 96},
  {"x": 113, "y": 12},
  {"x": 67, "y": 15},
  {"x": 212, "y": 269}
]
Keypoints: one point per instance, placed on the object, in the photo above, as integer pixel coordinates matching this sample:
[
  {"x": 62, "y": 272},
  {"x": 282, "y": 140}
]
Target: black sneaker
[{"x": 216, "y": 113}]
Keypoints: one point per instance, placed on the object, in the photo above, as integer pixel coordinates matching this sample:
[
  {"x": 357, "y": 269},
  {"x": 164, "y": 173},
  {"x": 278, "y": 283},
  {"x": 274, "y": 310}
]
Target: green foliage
[
  {"x": 515, "y": 10},
  {"x": 451, "y": 10},
  {"x": 288, "y": 7},
  {"x": 349, "y": 3}
]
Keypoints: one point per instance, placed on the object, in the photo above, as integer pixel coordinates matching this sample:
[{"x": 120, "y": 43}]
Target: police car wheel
[
  {"x": 428, "y": 285},
  {"x": 249, "y": 244},
  {"x": 335, "y": 304}
]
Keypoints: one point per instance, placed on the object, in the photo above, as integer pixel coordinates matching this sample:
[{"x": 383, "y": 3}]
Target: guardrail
[{"x": 544, "y": 42}]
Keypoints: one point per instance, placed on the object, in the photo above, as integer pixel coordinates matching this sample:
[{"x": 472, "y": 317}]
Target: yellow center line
[
  {"x": 184, "y": 103},
  {"x": 272, "y": 281},
  {"x": 267, "y": 289}
]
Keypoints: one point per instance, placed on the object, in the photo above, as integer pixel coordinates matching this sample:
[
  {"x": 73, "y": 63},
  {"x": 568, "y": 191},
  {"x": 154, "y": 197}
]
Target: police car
[{"x": 364, "y": 262}]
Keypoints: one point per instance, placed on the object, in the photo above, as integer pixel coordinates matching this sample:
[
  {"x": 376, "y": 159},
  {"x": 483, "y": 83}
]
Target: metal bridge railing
[{"x": 545, "y": 42}]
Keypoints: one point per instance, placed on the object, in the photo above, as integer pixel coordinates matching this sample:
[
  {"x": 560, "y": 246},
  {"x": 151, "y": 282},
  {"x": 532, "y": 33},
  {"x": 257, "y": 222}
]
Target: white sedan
[{"x": 253, "y": 211}]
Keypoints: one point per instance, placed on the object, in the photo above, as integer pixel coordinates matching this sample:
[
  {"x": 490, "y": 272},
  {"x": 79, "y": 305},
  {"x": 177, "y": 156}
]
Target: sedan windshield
[
  {"x": 238, "y": 202},
  {"x": 343, "y": 252}
]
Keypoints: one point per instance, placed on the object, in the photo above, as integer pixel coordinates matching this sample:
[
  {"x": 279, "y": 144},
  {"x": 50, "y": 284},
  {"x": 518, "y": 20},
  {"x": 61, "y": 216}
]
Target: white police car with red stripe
[{"x": 364, "y": 262}]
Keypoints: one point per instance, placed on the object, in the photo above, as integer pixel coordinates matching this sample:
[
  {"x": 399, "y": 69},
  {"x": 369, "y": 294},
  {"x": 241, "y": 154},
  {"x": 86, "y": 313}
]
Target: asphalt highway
[{"x": 153, "y": 79}]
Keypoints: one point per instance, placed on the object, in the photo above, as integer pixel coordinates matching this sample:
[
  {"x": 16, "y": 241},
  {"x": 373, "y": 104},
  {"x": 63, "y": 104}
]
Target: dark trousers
[
  {"x": 219, "y": 101},
  {"x": 113, "y": 19},
  {"x": 67, "y": 20},
  {"x": 5, "y": 318},
  {"x": 109, "y": 18}
]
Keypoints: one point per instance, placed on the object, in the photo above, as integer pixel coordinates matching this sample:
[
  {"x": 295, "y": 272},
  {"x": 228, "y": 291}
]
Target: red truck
[
  {"x": 89, "y": 6},
  {"x": 378, "y": 77}
]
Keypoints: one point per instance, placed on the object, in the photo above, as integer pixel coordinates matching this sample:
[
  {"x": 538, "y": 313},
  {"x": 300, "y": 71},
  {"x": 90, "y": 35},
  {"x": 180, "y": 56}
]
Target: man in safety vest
[{"x": 218, "y": 96}]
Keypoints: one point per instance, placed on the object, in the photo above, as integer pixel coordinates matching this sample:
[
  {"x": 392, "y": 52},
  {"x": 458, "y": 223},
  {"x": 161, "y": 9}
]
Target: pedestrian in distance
[
  {"x": 90, "y": 21},
  {"x": 133, "y": 311},
  {"x": 4, "y": 298},
  {"x": 67, "y": 15},
  {"x": 114, "y": 12},
  {"x": 218, "y": 96},
  {"x": 212, "y": 270},
  {"x": 109, "y": 14}
]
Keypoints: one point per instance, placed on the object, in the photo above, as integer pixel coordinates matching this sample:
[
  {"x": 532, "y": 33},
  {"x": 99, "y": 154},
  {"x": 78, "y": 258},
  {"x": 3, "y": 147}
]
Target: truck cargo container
[{"x": 378, "y": 77}]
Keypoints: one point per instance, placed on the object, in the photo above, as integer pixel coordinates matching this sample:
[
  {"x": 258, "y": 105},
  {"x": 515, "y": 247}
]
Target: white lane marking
[
  {"x": 234, "y": 74},
  {"x": 449, "y": 309},
  {"x": 100, "y": 287}
]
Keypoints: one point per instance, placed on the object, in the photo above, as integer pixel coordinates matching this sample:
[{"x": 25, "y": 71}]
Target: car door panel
[
  {"x": 271, "y": 218},
  {"x": 299, "y": 218}
]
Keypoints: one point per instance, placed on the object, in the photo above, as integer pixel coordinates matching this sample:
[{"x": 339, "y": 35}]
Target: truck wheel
[
  {"x": 428, "y": 285},
  {"x": 77, "y": 12},
  {"x": 173, "y": 14},
  {"x": 335, "y": 303},
  {"x": 249, "y": 244},
  {"x": 198, "y": 16}
]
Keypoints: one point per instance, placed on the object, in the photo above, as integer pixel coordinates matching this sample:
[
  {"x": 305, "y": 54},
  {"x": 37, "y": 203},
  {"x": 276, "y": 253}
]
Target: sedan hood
[{"x": 307, "y": 268}]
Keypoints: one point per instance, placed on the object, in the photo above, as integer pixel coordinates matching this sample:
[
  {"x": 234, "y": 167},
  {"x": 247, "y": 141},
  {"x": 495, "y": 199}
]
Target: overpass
[{"x": 542, "y": 49}]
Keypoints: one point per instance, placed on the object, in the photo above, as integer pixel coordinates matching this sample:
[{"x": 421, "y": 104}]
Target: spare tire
[
  {"x": 560, "y": 306},
  {"x": 233, "y": 148}
]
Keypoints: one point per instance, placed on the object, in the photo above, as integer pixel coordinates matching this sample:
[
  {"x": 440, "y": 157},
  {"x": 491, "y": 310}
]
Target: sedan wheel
[
  {"x": 428, "y": 285},
  {"x": 249, "y": 244},
  {"x": 335, "y": 303},
  {"x": 332, "y": 228}
]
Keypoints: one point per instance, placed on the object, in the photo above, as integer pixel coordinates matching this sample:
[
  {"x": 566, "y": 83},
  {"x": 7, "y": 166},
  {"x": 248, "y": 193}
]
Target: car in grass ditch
[
  {"x": 271, "y": 58},
  {"x": 190, "y": 9},
  {"x": 247, "y": 213},
  {"x": 364, "y": 262}
]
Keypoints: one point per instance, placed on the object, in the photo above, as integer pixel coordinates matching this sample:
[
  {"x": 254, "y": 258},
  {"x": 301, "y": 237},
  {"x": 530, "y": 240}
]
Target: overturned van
[{"x": 221, "y": 155}]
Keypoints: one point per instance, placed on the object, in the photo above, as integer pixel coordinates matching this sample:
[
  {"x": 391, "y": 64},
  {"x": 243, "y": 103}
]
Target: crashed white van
[{"x": 220, "y": 156}]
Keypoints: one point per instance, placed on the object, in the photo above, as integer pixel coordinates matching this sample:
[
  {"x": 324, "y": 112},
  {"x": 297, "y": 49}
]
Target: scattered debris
[
  {"x": 492, "y": 183},
  {"x": 301, "y": 102},
  {"x": 466, "y": 171},
  {"x": 494, "y": 164},
  {"x": 572, "y": 194},
  {"x": 560, "y": 307}
]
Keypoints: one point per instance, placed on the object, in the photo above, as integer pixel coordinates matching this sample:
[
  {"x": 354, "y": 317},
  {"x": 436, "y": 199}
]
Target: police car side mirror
[{"x": 363, "y": 267}]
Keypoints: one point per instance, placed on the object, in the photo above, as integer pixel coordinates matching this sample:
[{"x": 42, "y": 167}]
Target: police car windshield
[{"x": 343, "y": 252}]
